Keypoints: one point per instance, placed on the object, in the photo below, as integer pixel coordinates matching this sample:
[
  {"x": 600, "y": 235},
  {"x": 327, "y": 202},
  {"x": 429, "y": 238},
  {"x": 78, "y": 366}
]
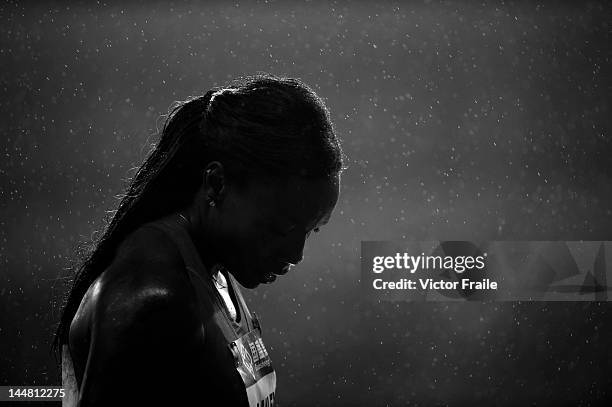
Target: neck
[{"x": 199, "y": 238}]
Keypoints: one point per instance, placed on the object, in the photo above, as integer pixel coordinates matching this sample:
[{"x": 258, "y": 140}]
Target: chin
[{"x": 247, "y": 283}]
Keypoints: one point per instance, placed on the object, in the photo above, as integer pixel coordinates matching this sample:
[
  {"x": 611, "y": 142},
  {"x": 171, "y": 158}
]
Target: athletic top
[
  {"x": 240, "y": 371},
  {"x": 221, "y": 285}
]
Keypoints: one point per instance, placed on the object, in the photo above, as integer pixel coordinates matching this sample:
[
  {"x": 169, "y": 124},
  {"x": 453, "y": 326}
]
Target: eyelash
[{"x": 286, "y": 233}]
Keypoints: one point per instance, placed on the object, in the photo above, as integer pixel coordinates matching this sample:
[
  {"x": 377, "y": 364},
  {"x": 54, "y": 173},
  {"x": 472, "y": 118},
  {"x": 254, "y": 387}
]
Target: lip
[
  {"x": 268, "y": 278},
  {"x": 284, "y": 268},
  {"x": 280, "y": 270}
]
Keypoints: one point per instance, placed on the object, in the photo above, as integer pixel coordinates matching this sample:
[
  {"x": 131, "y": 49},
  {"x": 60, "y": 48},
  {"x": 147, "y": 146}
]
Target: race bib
[{"x": 255, "y": 367}]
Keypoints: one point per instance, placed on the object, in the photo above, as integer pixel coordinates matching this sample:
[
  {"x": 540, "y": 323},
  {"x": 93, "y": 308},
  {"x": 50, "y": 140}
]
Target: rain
[{"x": 459, "y": 120}]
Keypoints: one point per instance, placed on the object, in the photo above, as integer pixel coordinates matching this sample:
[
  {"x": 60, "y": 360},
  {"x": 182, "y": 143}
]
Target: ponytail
[{"x": 162, "y": 185}]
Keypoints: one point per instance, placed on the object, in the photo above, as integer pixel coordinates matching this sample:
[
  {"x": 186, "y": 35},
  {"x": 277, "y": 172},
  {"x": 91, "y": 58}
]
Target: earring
[{"x": 211, "y": 202}]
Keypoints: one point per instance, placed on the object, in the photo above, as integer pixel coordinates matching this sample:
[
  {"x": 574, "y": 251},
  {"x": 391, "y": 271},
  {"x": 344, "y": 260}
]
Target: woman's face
[{"x": 261, "y": 228}]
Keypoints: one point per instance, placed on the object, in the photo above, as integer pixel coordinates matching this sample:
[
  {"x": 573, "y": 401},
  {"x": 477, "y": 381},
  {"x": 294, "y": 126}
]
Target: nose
[
  {"x": 296, "y": 260},
  {"x": 295, "y": 249},
  {"x": 296, "y": 256}
]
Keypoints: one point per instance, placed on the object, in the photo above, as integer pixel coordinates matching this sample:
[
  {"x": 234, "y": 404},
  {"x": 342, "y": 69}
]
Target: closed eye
[{"x": 283, "y": 231}]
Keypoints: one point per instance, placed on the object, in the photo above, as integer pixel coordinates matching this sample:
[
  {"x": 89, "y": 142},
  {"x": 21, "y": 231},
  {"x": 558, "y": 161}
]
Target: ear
[{"x": 214, "y": 181}]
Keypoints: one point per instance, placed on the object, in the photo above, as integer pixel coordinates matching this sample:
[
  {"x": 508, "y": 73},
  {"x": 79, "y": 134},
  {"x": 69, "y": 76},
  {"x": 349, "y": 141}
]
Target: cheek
[
  {"x": 262, "y": 247},
  {"x": 248, "y": 229},
  {"x": 253, "y": 243}
]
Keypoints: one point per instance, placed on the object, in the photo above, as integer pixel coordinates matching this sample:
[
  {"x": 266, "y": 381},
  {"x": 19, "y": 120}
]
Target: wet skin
[{"x": 137, "y": 336}]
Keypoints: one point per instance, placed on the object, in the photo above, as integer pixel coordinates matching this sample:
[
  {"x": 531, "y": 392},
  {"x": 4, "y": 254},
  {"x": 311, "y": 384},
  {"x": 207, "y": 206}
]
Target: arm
[{"x": 145, "y": 339}]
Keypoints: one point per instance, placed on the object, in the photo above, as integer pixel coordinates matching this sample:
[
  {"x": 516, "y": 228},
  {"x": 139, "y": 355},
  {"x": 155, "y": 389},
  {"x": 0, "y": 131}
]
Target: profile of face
[{"x": 260, "y": 228}]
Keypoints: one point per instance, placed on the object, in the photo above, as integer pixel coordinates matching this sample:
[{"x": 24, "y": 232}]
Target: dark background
[{"x": 460, "y": 120}]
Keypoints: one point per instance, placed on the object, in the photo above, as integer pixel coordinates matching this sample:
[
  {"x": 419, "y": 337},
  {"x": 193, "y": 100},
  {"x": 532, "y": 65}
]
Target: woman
[{"x": 238, "y": 181}]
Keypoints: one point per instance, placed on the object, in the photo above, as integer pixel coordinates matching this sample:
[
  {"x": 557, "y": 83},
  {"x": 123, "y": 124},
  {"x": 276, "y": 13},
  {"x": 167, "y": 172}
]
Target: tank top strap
[
  {"x": 184, "y": 243},
  {"x": 197, "y": 272},
  {"x": 250, "y": 322}
]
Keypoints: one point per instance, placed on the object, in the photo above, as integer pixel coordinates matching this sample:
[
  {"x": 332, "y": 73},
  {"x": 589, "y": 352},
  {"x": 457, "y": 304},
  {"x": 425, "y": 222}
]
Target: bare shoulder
[
  {"x": 138, "y": 326},
  {"x": 148, "y": 271},
  {"x": 144, "y": 291}
]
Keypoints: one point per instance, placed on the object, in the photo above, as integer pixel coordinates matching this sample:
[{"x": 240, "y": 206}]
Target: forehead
[{"x": 300, "y": 199}]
